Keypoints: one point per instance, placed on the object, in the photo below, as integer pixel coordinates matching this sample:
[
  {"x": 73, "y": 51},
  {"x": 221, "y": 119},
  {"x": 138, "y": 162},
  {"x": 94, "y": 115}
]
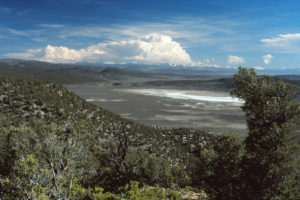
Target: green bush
[
  {"x": 218, "y": 169},
  {"x": 31, "y": 181}
]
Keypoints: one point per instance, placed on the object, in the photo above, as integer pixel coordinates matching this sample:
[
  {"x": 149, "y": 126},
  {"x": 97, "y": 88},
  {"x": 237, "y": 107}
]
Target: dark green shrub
[{"x": 218, "y": 169}]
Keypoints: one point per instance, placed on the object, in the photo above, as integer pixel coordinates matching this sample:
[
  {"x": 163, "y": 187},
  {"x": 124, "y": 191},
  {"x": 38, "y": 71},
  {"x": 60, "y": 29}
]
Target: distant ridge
[
  {"x": 63, "y": 73},
  {"x": 83, "y": 72}
]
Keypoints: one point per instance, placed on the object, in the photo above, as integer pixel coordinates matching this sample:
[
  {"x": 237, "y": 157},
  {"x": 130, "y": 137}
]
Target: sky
[{"x": 197, "y": 33}]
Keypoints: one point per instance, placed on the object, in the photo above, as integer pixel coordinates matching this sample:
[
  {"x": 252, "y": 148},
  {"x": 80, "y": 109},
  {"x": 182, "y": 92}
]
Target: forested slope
[{"x": 40, "y": 118}]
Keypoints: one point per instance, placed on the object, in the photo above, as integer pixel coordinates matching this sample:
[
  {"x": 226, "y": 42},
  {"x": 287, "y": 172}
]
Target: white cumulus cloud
[
  {"x": 287, "y": 42},
  {"x": 267, "y": 58},
  {"x": 64, "y": 54},
  {"x": 235, "y": 59},
  {"x": 150, "y": 49},
  {"x": 157, "y": 48}
]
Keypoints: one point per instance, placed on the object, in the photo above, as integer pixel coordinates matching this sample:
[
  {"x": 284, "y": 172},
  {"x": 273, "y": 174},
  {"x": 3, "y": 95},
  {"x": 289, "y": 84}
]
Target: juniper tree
[{"x": 272, "y": 112}]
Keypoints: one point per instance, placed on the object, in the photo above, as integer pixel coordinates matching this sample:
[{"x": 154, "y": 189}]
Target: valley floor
[{"x": 168, "y": 107}]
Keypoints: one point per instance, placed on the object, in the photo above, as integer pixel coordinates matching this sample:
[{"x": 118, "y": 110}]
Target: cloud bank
[
  {"x": 287, "y": 43},
  {"x": 267, "y": 58},
  {"x": 150, "y": 49},
  {"x": 235, "y": 60}
]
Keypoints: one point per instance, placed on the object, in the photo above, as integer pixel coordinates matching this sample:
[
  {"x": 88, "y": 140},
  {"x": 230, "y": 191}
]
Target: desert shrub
[
  {"x": 134, "y": 192},
  {"x": 31, "y": 181}
]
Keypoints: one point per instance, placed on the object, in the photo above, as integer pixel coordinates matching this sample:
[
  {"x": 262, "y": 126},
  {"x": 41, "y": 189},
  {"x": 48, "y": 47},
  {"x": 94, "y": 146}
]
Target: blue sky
[{"x": 216, "y": 33}]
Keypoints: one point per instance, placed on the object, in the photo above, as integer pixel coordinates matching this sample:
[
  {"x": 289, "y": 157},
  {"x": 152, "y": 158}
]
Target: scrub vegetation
[{"x": 55, "y": 145}]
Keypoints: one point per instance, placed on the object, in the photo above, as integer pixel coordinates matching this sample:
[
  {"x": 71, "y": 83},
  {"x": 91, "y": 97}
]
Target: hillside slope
[{"x": 26, "y": 102}]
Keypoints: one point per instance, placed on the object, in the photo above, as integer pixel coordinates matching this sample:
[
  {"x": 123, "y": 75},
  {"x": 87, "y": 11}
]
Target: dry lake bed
[{"x": 169, "y": 107}]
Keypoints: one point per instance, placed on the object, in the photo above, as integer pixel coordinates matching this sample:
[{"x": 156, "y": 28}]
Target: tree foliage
[
  {"x": 272, "y": 112},
  {"x": 266, "y": 164},
  {"x": 218, "y": 168}
]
